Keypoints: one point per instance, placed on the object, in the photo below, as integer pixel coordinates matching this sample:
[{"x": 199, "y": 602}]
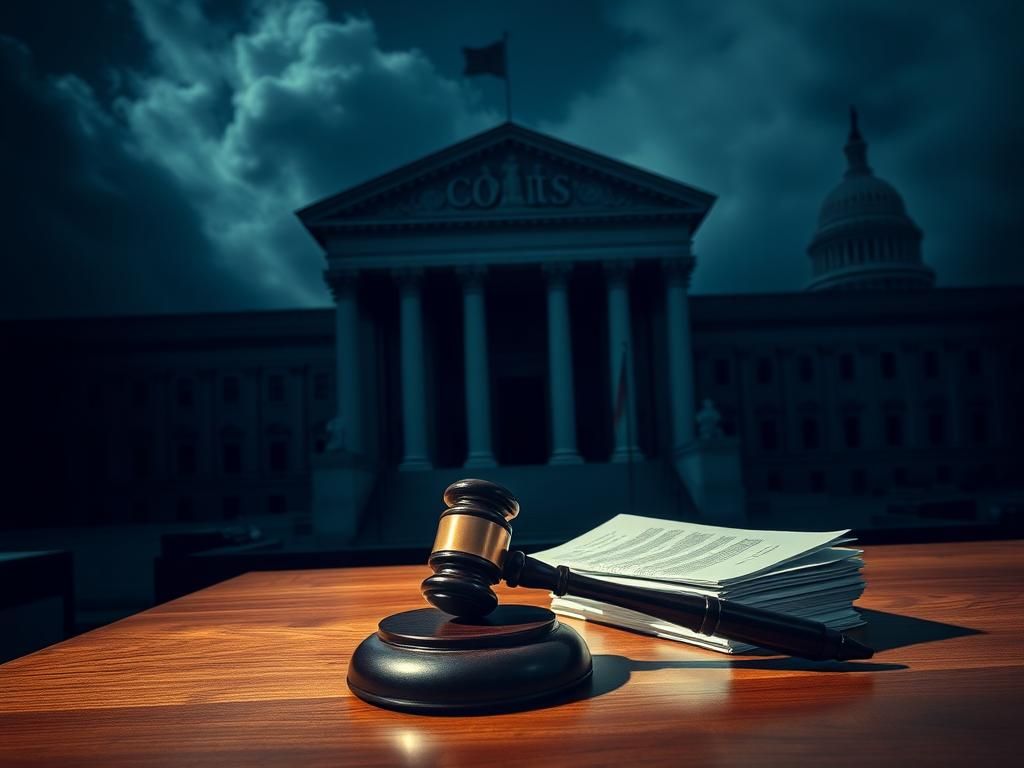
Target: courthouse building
[{"x": 517, "y": 307}]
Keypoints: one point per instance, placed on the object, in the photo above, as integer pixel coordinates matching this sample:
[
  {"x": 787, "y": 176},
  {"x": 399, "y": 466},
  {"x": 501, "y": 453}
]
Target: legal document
[{"x": 808, "y": 574}]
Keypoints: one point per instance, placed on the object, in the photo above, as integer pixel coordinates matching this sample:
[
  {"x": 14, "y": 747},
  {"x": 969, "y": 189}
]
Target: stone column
[
  {"x": 680, "y": 350},
  {"x": 414, "y": 414},
  {"x": 620, "y": 343},
  {"x": 563, "y": 401},
  {"x": 347, "y": 360},
  {"x": 477, "y": 368}
]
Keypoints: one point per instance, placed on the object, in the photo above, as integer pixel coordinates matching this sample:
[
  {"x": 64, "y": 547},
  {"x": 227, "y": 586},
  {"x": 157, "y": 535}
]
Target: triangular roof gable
[{"x": 402, "y": 195}]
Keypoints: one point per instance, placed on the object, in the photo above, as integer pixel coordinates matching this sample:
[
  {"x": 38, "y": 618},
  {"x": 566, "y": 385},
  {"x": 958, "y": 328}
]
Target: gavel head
[{"x": 469, "y": 551}]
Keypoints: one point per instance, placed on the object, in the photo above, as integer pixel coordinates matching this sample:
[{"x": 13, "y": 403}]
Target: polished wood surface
[{"x": 252, "y": 671}]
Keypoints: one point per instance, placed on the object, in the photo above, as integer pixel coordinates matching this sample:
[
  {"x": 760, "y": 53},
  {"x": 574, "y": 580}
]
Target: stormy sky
[{"x": 153, "y": 152}]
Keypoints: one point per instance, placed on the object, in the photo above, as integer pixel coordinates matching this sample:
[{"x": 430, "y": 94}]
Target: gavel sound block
[{"x": 472, "y": 656}]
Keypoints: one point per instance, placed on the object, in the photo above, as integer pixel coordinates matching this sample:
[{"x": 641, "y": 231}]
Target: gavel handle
[{"x": 706, "y": 615}]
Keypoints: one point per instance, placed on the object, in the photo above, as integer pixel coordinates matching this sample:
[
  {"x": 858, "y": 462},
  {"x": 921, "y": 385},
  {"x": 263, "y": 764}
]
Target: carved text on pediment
[{"x": 508, "y": 186}]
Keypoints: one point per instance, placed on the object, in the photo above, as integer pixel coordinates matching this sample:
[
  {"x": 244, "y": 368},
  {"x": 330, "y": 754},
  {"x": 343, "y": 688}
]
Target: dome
[
  {"x": 858, "y": 197},
  {"x": 865, "y": 239}
]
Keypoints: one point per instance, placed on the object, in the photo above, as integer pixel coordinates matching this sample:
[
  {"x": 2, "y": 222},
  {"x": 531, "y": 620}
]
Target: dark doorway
[{"x": 521, "y": 420}]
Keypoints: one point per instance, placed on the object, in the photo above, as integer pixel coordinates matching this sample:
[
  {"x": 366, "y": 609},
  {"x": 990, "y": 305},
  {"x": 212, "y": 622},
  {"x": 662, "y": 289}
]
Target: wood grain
[{"x": 253, "y": 671}]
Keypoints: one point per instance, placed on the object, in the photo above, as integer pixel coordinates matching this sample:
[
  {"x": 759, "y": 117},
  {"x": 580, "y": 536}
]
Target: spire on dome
[{"x": 856, "y": 148}]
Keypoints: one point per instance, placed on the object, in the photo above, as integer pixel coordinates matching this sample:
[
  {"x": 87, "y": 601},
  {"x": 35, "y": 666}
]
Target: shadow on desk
[{"x": 885, "y": 631}]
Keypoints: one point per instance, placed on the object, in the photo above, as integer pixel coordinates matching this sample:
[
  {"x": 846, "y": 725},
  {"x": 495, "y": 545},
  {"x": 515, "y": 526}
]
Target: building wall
[
  {"x": 214, "y": 417},
  {"x": 850, "y": 395}
]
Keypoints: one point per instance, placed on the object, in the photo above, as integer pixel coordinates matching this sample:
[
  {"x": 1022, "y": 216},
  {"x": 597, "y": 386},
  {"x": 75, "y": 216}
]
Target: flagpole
[{"x": 508, "y": 82}]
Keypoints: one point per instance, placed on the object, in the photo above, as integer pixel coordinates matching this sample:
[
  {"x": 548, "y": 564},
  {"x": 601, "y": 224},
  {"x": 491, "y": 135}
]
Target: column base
[
  {"x": 564, "y": 458},
  {"x": 414, "y": 464},
  {"x": 625, "y": 455},
  {"x": 480, "y": 461}
]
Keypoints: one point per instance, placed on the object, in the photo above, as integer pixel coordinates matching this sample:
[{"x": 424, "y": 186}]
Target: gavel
[{"x": 471, "y": 554}]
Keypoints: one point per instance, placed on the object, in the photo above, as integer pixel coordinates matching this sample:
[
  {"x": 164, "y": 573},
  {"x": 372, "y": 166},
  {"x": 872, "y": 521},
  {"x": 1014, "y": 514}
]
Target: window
[
  {"x": 723, "y": 373},
  {"x": 847, "y": 368},
  {"x": 279, "y": 456},
  {"x": 809, "y": 431},
  {"x": 231, "y": 456},
  {"x": 231, "y": 507},
  {"x": 277, "y": 504},
  {"x": 275, "y": 389},
  {"x": 888, "y": 365},
  {"x": 851, "y": 431},
  {"x": 185, "y": 510},
  {"x": 139, "y": 512},
  {"x": 859, "y": 481},
  {"x": 894, "y": 430},
  {"x": 936, "y": 428},
  {"x": 185, "y": 393},
  {"x": 140, "y": 393},
  {"x": 728, "y": 422},
  {"x": 817, "y": 481},
  {"x": 95, "y": 395},
  {"x": 931, "y": 364},
  {"x": 186, "y": 458},
  {"x": 806, "y": 369},
  {"x": 321, "y": 386},
  {"x": 973, "y": 362},
  {"x": 769, "y": 435},
  {"x": 979, "y": 426},
  {"x": 231, "y": 391},
  {"x": 765, "y": 370},
  {"x": 141, "y": 459}
]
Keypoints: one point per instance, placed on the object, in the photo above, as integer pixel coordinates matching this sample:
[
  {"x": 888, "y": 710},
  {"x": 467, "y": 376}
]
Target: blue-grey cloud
[{"x": 748, "y": 99}]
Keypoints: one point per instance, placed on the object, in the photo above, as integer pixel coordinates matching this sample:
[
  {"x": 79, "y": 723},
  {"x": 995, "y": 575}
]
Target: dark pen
[{"x": 706, "y": 615}]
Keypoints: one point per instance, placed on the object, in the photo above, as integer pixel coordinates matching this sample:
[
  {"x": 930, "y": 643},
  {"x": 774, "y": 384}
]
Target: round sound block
[{"x": 429, "y": 662}]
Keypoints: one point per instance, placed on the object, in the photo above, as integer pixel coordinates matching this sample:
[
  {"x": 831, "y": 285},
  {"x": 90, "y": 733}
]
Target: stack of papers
[{"x": 802, "y": 574}]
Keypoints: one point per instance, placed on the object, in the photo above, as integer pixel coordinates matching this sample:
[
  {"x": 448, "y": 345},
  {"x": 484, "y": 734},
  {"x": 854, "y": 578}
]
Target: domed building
[{"x": 865, "y": 240}]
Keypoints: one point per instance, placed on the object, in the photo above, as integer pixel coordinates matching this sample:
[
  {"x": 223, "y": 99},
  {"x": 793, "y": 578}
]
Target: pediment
[{"x": 508, "y": 174}]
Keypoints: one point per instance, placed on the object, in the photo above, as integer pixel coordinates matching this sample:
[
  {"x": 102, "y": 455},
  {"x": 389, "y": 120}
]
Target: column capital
[
  {"x": 407, "y": 277},
  {"x": 341, "y": 282},
  {"x": 557, "y": 271},
  {"x": 617, "y": 270},
  {"x": 471, "y": 275},
  {"x": 679, "y": 268}
]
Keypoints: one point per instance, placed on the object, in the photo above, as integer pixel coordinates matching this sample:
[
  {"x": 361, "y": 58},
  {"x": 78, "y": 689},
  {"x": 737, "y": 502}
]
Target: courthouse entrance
[{"x": 481, "y": 348}]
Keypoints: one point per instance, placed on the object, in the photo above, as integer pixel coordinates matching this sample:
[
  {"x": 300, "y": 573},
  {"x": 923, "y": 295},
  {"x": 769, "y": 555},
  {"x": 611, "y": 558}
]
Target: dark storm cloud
[
  {"x": 165, "y": 179},
  {"x": 200, "y": 159},
  {"x": 87, "y": 227},
  {"x": 749, "y": 100}
]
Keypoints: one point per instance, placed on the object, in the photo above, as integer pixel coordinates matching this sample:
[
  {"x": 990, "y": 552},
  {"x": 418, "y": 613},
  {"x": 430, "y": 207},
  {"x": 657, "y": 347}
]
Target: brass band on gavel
[{"x": 471, "y": 533}]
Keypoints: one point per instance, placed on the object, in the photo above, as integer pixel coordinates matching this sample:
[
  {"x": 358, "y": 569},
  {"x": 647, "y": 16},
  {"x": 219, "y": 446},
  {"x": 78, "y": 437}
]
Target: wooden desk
[{"x": 252, "y": 671}]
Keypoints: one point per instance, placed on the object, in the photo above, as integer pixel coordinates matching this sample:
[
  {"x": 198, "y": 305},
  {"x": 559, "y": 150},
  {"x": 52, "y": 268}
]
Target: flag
[
  {"x": 489, "y": 60},
  {"x": 621, "y": 392}
]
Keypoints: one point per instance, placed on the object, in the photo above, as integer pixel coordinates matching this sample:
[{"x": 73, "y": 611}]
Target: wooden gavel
[{"x": 471, "y": 554}]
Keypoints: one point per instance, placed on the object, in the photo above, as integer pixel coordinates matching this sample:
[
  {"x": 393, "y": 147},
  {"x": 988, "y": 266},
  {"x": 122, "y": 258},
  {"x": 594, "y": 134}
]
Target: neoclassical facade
[{"x": 510, "y": 218}]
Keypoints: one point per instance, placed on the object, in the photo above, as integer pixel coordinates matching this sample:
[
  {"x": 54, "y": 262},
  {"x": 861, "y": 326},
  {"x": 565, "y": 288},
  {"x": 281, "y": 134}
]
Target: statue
[
  {"x": 709, "y": 421},
  {"x": 335, "y": 435}
]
